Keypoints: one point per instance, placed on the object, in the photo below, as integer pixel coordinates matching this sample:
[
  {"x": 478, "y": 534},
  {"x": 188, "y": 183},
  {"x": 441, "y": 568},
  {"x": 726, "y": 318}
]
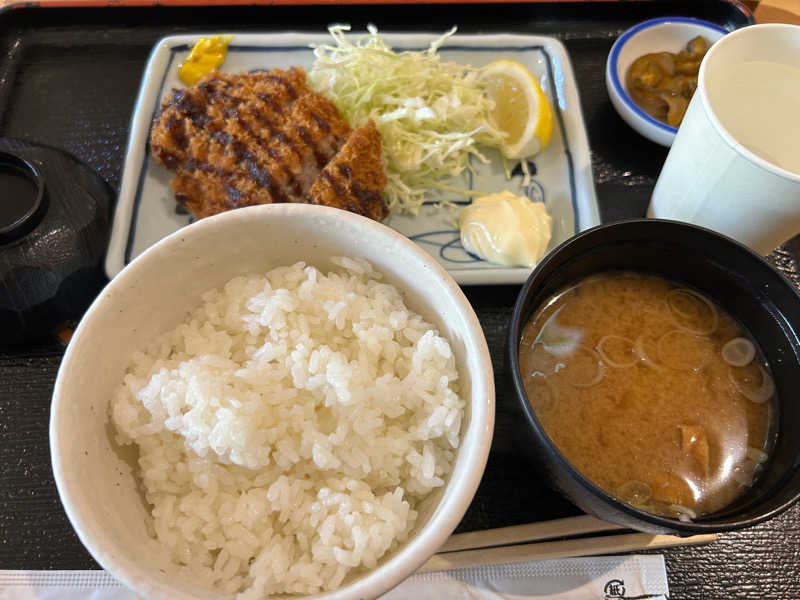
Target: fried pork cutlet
[
  {"x": 259, "y": 138},
  {"x": 353, "y": 179}
]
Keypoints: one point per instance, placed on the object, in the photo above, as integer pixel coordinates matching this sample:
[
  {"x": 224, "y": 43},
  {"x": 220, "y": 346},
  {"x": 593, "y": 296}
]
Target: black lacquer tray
[{"x": 69, "y": 79}]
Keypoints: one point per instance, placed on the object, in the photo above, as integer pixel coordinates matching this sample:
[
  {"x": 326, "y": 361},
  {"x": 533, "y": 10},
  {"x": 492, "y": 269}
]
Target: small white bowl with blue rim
[{"x": 663, "y": 34}]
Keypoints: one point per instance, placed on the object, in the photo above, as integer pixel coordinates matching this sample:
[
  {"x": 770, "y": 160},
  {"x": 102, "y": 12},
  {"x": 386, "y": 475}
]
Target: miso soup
[{"x": 651, "y": 391}]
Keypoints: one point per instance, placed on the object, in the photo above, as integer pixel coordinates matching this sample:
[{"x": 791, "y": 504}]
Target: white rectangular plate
[{"x": 562, "y": 177}]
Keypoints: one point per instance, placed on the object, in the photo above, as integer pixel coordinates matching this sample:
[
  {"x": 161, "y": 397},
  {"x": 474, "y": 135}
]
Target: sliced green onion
[{"x": 739, "y": 352}]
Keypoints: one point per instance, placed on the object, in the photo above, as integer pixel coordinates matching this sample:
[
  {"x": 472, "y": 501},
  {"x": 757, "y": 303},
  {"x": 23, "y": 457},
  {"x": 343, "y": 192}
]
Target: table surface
[{"x": 761, "y": 562}]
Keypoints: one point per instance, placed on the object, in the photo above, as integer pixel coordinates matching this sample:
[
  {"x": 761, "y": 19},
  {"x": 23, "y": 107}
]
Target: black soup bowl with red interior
[{"x": 655, "y": 366}]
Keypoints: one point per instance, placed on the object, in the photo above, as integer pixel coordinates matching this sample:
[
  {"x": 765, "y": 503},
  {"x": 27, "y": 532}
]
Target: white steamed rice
[{"x": 290, "y": 427}]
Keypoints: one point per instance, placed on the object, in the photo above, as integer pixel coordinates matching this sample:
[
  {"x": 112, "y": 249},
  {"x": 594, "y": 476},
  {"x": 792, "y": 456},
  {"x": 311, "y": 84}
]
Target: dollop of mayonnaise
[{"x": 506, "y": 229}]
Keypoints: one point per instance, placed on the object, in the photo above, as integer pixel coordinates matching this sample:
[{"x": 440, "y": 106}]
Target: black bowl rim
[
  {"x": 26, "y": 221},
  {"x": 681, "y": 527}
]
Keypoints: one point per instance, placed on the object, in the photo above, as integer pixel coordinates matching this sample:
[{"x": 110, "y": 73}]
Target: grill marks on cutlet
[
  {"x": 236, "y": 140},
  {"x": 271, "y": 76},
  {"x": 209, "y": 153},
  {"x": 354, "y": 178}
]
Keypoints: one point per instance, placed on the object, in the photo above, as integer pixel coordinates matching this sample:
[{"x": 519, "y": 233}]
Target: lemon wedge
[{"x": 521, "y": 109}]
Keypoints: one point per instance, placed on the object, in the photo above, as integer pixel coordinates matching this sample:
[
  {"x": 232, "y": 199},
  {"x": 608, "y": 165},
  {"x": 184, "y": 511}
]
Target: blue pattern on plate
[{"x": 449, "y": 240}]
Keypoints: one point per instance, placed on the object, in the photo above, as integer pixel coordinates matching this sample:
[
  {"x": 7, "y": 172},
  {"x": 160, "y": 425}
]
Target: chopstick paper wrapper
[
  {"x": 519, "y": 562},
  {"x": 601, "y": 578}
]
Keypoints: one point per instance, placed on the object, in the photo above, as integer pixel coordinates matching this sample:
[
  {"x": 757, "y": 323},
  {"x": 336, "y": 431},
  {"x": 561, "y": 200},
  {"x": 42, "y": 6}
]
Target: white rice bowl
[
  {"x": 289, "y": 427},
  {"x": 99, "y": 481}
]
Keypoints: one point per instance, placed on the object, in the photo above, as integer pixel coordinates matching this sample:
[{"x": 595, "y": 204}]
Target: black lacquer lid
[{"x": 54, "y": 227}]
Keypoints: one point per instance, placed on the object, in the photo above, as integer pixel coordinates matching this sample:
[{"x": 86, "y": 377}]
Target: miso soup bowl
[{"x": 744, "y": 285}]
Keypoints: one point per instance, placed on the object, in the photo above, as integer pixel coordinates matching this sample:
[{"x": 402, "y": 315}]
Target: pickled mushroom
[
  {"x": 677, "y": 107},
  {"x": 662, "y": 83},
  {"x": 697, "y": 46}
]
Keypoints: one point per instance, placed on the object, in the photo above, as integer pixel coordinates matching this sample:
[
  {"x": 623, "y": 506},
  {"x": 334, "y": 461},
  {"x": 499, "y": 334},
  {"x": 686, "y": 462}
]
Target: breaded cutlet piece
[
  {"x": 253, "y": 138},
  {"x": 354, "y": 178}
]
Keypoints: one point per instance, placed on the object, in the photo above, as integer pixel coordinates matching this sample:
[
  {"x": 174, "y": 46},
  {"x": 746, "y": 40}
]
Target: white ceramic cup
[{"x": 733, "y": 167}]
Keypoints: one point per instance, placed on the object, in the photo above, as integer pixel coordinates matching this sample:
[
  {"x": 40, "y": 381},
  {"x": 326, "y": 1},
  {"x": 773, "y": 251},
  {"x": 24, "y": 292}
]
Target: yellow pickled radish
[{"x": 206, "y": 55}]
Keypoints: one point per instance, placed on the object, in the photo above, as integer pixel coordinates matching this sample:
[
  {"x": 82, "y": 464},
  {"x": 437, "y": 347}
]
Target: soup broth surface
[{"x": 651, "y": 391}]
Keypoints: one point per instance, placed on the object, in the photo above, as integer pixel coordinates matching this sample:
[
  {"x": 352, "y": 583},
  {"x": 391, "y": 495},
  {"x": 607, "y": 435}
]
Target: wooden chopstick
[
  {"x": 607, "y": 544},
  {"x": 518, "y": 534}
]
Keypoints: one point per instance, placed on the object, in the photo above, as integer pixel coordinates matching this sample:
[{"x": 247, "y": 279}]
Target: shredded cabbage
[{"x": 431, "y": 115}]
